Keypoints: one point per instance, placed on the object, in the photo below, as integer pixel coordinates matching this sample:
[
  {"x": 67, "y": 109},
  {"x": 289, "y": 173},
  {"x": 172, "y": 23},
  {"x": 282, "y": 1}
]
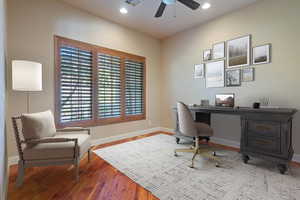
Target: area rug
[{"x": 150, "y": 162}]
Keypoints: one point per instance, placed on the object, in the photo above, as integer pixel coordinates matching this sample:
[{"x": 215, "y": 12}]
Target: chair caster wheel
[
  {"x": 282, "y": 168},
  {"x": 175, "y": 154},
  {"x": 191, "y": 166},
  {"x": 246, "y": 159},
  {"x": 177, "y": 140},
  {"x": 217, "y": 165},
  {"x": 214, "y": 153}
]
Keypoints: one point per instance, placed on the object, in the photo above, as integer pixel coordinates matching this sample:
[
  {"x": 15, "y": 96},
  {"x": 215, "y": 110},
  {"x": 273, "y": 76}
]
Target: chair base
[{"x": 207, "y": 152}]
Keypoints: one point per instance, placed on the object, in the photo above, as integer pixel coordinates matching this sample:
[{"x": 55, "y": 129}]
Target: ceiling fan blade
[
  {"x": 190, "y": 3},
  {"x": 161, "y": 9}
]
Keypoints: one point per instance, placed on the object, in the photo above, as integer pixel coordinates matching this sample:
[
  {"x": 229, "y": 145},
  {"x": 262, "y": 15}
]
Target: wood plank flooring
[{"x": 98, "y": 181}]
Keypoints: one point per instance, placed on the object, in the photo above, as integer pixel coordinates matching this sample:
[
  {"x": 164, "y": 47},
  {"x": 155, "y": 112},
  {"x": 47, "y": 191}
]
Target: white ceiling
[{"x": 141, "y": 17}]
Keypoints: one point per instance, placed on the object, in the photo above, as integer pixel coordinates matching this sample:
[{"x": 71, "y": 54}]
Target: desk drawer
[
  {"x": 264, "y": 145},
  {"x": 264, "y": 128}
]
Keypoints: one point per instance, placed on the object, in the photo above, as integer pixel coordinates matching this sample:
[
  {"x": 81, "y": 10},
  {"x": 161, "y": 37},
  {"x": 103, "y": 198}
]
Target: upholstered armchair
[{"x": 41, "y": 144}]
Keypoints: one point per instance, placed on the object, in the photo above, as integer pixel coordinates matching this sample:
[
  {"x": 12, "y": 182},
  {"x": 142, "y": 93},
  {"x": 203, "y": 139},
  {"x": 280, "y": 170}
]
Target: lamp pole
[{"x": 28, "y": 98}]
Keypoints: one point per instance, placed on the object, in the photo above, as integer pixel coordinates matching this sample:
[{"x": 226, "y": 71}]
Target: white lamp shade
[{"x": 26, "y": 76}]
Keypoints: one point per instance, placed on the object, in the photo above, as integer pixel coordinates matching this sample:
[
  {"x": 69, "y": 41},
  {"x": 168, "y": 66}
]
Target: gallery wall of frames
[{"x": 228, "y": 64}]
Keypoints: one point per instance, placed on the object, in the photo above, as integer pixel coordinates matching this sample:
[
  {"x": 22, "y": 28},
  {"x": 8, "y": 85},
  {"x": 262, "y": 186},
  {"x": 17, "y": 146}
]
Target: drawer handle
[
  {"x": 263, "y": 128},
  {"x": 262, "y": 142}
]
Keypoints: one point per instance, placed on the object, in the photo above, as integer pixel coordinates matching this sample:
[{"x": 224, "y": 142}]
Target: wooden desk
[{"x": 265, "y": 133}]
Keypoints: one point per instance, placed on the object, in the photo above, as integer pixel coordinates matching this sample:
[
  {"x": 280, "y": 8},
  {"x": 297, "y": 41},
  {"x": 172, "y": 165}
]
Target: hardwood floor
[{"x": 98, "y": 181}]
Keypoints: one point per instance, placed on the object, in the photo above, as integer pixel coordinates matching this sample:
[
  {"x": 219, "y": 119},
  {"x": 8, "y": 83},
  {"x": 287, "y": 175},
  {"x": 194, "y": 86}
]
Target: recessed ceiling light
[
  {"x": 206, "y": 6},
  {"x": 123, "y": 11}
]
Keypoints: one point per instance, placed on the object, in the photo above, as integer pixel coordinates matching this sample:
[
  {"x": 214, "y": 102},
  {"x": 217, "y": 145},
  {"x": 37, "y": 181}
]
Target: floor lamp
[{"x": 26, "y": 77}]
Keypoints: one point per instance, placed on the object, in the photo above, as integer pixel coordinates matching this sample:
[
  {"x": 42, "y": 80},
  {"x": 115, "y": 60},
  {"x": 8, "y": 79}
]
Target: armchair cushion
[
  {"x": 63, "y": 150},
  {"x": 38, "y": 125}
]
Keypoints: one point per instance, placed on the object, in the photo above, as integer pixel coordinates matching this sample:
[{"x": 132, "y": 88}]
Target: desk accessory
[
  {"x": 204, "y": 102},
  {"x": 225, "y": 100},
  {"x": 256, "y": 105}
]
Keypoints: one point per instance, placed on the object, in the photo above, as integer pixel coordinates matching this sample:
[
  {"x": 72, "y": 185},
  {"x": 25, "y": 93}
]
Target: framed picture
[
  {"x": 199, "y": 71},
  {"x": 207, "y": 55},
  {"x": 261, "y": 54},
  {"x": 238, "y": 52},
  {"x": 233, "y": 77},
  {"x": 247, "y": 74},
  {"x": 215, "y": 74},
  {"x": 218, "y": 50}
]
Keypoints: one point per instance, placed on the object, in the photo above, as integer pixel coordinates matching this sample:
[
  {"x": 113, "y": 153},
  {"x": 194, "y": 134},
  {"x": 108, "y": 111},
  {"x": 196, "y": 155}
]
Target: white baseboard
[
  {"x": 14, "y": 159},
  {"x": 225, "y": 142},
  {"x": 168, "y": 130},
  {"x": 123, "y": 136}
]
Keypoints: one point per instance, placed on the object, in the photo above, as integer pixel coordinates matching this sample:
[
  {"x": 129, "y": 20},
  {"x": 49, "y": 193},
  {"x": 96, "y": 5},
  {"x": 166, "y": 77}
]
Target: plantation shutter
[
  {"x": 75, "y": 84},
  {"x": 109, "y": 86},
  {"x": 134, "y": 87}
]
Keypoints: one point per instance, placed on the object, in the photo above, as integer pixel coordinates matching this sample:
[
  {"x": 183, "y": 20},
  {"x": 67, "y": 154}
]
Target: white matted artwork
[
  {"x": 248, "y": 74},
  {"x": 215, "y": 74},
  {"x": 199, "y": 71},
  {"x": 219, "y": 50},
  {"x": 238, "y": 52},
  {"x": 261, "y": 54}
]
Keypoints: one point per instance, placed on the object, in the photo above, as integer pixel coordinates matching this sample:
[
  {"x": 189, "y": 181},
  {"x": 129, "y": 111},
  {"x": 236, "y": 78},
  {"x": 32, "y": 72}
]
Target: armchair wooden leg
[
  {"x": 21, "y": 172},
  {"x": 89, "y": 155},
  {"x": 76, "y": 166}
]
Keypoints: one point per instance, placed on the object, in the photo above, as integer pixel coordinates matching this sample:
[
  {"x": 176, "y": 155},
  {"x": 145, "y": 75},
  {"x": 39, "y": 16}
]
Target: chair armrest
[
  {"x": 74, "y": 129},
  {"x": 50, "y": 140}
]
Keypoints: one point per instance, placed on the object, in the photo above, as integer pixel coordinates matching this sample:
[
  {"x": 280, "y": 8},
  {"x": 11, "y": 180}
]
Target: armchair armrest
[
  {"x": 74, "y": 129},
  {"x": 50, "y": 140}
]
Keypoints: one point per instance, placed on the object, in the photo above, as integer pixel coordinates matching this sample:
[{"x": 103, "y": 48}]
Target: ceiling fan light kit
[{"x": 189, "y": 3}]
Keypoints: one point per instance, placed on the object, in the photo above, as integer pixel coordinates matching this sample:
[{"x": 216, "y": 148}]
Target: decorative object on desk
[
  {"x": 204, "y": 102},
  {"x": 207, "y": 55},
  {"x": 225, "y": 100},
  {"x": 261, "y": 54},
  {"x": 215, "y": 74},
  {"x": 256, "y": 105},
  {"x": 233, "y": 78},
  {"x": 199, "y": 71},
  {"x": 265, "y": 101},
  {"x": 218, "y": 51},
  {"x": 238, "y": 52},
  {"x": 248, "y": 74},
  {"x": 26, "y": 76}
]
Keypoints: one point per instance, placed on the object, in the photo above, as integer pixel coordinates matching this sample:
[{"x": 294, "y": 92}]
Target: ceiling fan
[{"x": 189, "y": 3}]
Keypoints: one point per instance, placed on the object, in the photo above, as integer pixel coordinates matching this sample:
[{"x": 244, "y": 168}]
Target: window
[{"x": 96, "y": 85}]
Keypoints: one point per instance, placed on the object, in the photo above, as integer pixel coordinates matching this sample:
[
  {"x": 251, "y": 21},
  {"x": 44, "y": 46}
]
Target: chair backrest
[
  {"x": 185, "y": 120},
  {"x": 17, "y": 136}
]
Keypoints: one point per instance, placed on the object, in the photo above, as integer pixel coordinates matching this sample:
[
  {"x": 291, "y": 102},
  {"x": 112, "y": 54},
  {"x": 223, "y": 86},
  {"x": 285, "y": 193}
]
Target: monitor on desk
[{"x": 225, "y": 100}]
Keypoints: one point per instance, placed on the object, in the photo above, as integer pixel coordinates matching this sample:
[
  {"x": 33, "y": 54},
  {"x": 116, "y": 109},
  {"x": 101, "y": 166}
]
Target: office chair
[{"x": 190, "y": 128}]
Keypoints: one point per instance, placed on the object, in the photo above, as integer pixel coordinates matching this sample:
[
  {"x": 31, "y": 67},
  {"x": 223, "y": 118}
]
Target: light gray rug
[{"x": 151, "y": 163}]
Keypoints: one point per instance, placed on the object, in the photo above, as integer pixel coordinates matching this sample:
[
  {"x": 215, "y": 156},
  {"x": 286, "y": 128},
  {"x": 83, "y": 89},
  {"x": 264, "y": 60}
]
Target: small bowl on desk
[{"x": 256, "y": 105}]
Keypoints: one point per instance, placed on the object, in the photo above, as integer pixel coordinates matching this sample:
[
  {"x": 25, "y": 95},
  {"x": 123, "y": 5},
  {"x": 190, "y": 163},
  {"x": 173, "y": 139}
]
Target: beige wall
[
  {"x": 31, "y": 26},
  {"x": 269, "y": 21},
  {"x": 3, "y": 159}
]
